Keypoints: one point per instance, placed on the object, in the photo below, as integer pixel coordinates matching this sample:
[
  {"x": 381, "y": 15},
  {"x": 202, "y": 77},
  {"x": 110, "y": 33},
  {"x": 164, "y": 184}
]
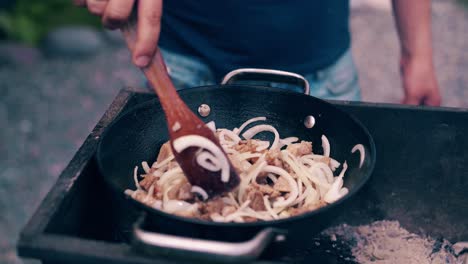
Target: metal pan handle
[
  {"x": 151, "y": 243},
  {"x": 253, "y": 74}
]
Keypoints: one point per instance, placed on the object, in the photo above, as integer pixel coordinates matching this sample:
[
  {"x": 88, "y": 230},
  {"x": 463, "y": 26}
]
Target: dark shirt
[{"x": 301, "y": 36}]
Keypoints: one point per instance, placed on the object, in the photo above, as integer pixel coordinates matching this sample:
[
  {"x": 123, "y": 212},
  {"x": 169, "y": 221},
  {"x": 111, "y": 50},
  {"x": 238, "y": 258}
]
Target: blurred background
[{"x": 59, "y": 71}]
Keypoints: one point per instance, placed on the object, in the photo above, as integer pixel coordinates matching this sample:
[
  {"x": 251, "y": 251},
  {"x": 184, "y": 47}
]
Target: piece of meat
[
  {"x": 256, "y": 199},
  {"x": 185, "y": 192},
  {"x": 249, "y": 145},
  {"x": 262, "y": 177},
  {"x": 172, "y": 193},
  {"x": 188, "y": 213},
  {"x": 272, "y": 157},
  {"x": 215, "y": 205},
  {"x": 266, "y": 189},
  {"x": 181, "y": 191},
  {"x": 147, "y": 182},
  {"x": 164, "y": 152},
  {"x": 300, "y": 149},
  {"x": 282, "y": 185},
  {"x": 249, "y": 219}
]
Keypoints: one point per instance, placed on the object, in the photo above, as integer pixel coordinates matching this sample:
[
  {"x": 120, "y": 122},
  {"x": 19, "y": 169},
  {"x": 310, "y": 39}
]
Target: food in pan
[{"x": 279, "y": 179}]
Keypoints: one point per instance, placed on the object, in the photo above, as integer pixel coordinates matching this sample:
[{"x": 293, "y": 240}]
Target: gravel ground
[{"x": 50, "y": 106}]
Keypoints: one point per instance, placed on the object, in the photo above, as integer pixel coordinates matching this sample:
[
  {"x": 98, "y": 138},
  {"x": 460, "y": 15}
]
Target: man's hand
[
  {"x": 413, "y": 20},
  {"x": 115, "y": 13},
  {"x": 419, "y": 82}
]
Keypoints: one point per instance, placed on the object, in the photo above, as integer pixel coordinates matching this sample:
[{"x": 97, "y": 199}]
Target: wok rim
[{"x": 258, "y": 224}]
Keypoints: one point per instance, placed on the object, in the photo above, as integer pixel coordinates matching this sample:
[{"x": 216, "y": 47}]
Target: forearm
[{"x": 413, "y": 21}]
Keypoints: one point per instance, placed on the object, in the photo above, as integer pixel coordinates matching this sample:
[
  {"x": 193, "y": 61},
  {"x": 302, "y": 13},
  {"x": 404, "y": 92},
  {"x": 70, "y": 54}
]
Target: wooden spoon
[{"x": 181, "y": 121}]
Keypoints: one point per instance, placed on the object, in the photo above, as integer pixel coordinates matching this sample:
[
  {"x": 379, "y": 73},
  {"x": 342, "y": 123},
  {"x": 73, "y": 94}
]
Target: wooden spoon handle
[
  {"x": 156, "y": 73},
  {"x": 181, "y": 121}
]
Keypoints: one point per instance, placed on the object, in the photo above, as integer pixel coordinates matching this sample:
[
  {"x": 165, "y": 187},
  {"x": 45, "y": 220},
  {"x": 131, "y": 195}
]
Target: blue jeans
[{"x": 337, "y": 82}]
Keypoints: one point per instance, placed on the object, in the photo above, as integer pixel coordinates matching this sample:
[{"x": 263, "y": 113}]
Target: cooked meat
[
  {"x": 185, "y": 192},
  {"x": 256, "y": 199},
  {"x": 300, "y": 149},
  {"x": 282, "y": 185},
  {"x": 249, "y": 219},
  {"x": 215, "y": 205},
  {"x": 249, "y": 145},
  {"x": 164, "y": 152},
  {"x": 172, "y": 193},
  {"x": 147, "y": 182},
  {"x": 272, "y": 157},
  {"x": 258, "y": 183},
  {"x": 266, "y": 189},
  {"x": 301, "y": 210},
  {"x": 262, "y": 178},
  {"x": 181, "y": 191}
]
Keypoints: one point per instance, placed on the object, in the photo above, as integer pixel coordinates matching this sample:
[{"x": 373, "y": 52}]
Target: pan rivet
[
  {"x": 309, "y": 121},
  {"x": 204, "y": 110}
]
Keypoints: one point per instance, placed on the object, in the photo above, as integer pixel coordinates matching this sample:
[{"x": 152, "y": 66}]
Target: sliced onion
[
  {"x": 362, "y": 153},
  {"x": 248, "y": 155},
  {"x": 325, "y": 169},
  {"x": 157, "y": 173},
  {"x": 200, "y": 191},
  {"x": 146, "y": 167},
  {"x": 288, "y": 141},
  {"x": 262, "y": 145},
  {"x": 184, "y": 142},
  {"x": 334, "y": 164},
  {"x": 248, "y": 122},
  {"x": 250, "y": 177},
  {"x": 217, "y": 217},
  {"x": 335, "y": 192},
  {"x": 176, "y": 126},
  {"x": 135, "y": 177},
  {"x": 325, "y": 146},
  {"x": 208, "y": 161},
  {"x": 173, "y": 206},
  {"x": 157, "y": 205},
  {"x": 292, "y": 184},
  {"x": 272, "y": 177},
  {"x": 250, "y": 133},
  {"x": 165, "y": 178},
  {"x": 163, "y": 163},
  {"x": 211, "y": 125},
  {"x": 233, "y": 136}
]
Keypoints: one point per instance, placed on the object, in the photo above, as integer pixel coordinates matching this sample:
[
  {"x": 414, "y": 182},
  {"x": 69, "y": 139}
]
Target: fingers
[
  {"x": 412, "y": 100},
  {"x": 96, "y": 7},
  {"x": 430, "y": 97},
  {"x": 149, "y": 26},
  {"x": 117, "y": 12},
  {"x": 433, "y": 99}
]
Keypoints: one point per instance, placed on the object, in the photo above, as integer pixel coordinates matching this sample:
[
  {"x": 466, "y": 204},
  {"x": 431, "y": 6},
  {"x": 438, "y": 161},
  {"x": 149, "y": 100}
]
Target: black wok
[{"x": 138, "y": 134}]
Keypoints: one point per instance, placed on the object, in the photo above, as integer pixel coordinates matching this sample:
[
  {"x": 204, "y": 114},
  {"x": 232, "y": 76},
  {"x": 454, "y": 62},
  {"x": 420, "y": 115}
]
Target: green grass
[{"x": 29, "y": 21}]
